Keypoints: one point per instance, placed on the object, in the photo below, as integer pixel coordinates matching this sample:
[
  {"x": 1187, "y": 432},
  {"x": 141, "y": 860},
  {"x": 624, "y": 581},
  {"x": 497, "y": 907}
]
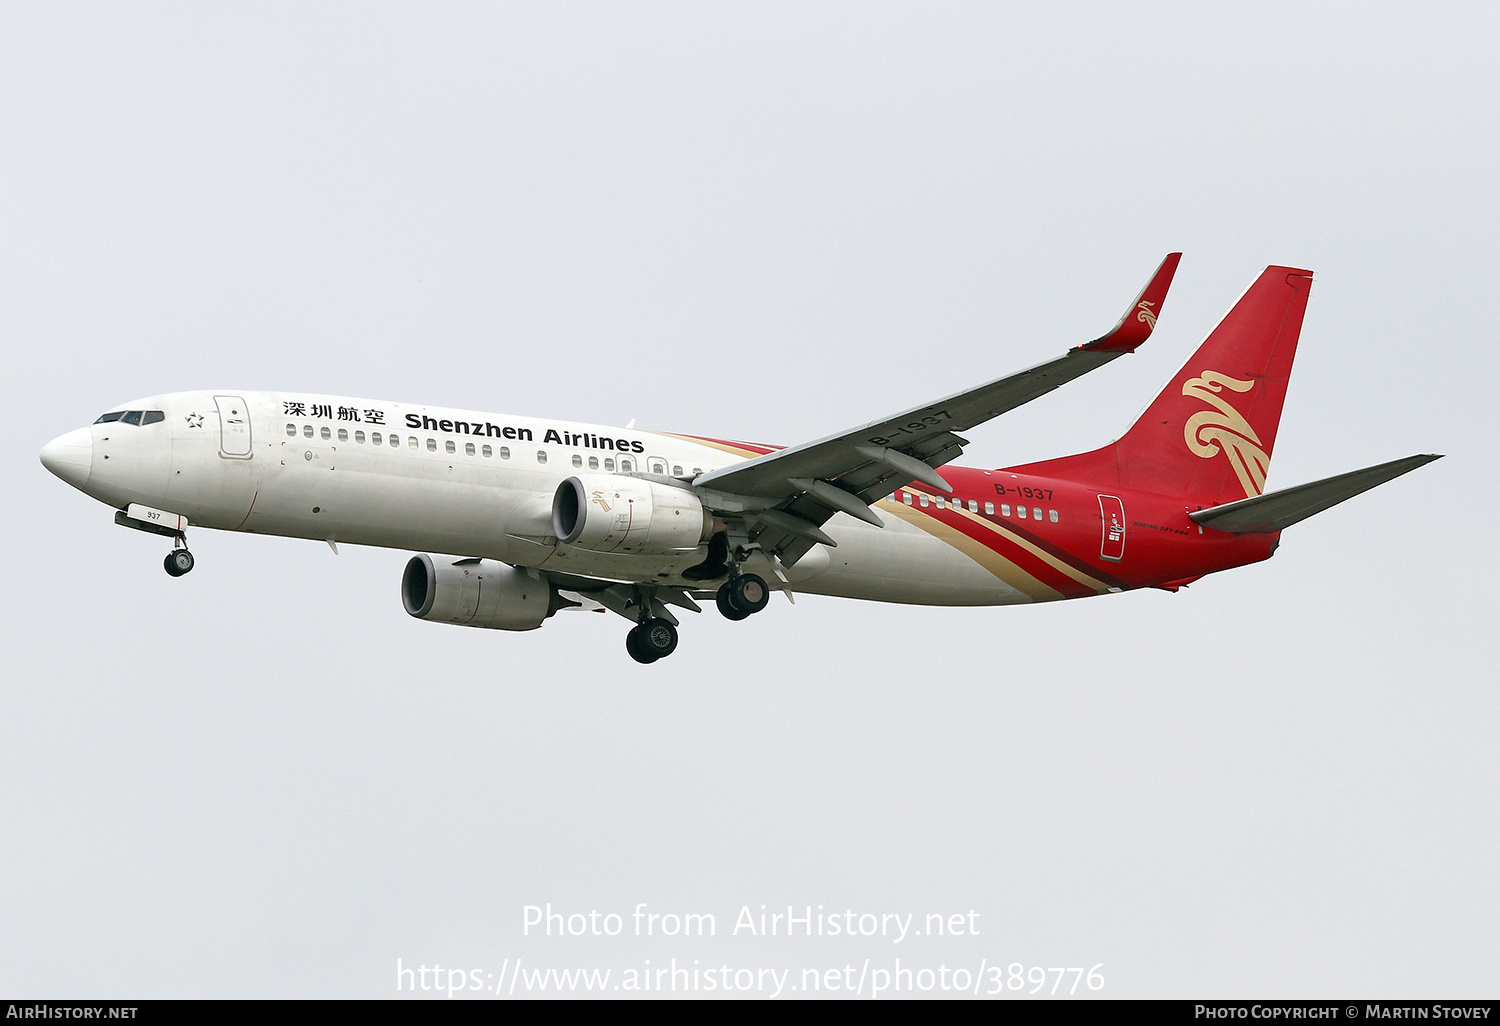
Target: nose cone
[{"x": 70, "y": 456}]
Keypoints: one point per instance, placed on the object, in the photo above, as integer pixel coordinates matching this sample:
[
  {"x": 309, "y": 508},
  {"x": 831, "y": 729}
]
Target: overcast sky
[{"x": 767, "y": 222}]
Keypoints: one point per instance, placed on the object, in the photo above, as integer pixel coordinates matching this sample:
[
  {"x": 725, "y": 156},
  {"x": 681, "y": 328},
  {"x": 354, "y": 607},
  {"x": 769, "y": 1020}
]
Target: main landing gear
[
  {"x": 651, "y": 639},
  {"x": 742, "y": 595},
  {"x": 179, "y": 561},
  {"x": 655, "y": 637}
]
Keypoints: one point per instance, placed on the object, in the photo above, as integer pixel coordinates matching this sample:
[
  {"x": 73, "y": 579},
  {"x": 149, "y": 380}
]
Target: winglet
[{"x": 1135, "y": 327}]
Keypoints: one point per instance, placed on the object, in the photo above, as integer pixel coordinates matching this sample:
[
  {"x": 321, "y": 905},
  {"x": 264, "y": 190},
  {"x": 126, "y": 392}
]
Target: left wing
[{"x": 789, "y": 494}]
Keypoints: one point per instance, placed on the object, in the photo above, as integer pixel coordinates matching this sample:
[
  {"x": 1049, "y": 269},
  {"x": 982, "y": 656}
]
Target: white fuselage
[{"x": 462, "y": 483}]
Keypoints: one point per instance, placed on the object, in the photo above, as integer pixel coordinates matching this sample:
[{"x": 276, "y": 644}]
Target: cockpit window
[{"x": 136, "y": 417}]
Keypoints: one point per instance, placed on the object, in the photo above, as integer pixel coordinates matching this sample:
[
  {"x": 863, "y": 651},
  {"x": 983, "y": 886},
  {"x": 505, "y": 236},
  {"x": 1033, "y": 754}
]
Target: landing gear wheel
[
  {"x": 726, "y": 604},
  {"x": 750, "y": 592},
  {"x": 656, "y": 638},
  {"x": 178, "y": 562},
  {"x": 634, "y": 647}
]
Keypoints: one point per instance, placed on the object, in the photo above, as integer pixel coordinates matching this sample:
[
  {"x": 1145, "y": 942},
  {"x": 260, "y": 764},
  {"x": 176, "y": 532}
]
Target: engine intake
[
  {"x": 614, "y": 513},
  {"x": 476, "y": 593}
]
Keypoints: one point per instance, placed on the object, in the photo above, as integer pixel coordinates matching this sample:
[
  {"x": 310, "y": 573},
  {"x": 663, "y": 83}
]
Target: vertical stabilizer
[{"x": 1208, "y": 437}]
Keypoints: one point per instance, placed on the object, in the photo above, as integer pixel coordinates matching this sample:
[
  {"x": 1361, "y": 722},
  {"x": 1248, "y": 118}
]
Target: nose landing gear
[
  {"x": 179, "y": 561},
  {"x": 170, "y": 525}
]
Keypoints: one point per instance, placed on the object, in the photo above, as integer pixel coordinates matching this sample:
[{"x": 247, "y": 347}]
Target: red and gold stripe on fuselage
[
  {"x": 1045, "y": 560},
  {"x": 745, "y": 450},
  {"x": 1036, "y": 566},
  {"x": 1049, "y": 560}
]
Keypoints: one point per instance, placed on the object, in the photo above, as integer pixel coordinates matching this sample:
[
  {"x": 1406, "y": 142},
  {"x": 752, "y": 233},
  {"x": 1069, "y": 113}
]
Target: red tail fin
[{"x": 1208, "y": 436}]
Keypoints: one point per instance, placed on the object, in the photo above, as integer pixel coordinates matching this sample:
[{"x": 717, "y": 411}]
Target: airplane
[{"x": 534, "y": 516}]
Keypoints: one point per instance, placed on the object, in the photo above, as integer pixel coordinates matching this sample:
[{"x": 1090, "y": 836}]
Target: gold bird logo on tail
[{"x": 1224, "y": 429}]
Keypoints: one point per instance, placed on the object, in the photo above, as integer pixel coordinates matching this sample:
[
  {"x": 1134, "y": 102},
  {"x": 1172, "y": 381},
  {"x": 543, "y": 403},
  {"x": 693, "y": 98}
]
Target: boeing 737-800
[{"x": 537, "y": 515}]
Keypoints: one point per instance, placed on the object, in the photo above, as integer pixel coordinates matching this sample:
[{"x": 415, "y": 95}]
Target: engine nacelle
[
  {"x": 475, "y": 593},
  {"x": 613, "y": 513}
]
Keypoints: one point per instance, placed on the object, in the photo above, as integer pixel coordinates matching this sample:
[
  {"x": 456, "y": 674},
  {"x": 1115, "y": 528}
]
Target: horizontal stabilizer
[{"x": 1277, "y": 510}]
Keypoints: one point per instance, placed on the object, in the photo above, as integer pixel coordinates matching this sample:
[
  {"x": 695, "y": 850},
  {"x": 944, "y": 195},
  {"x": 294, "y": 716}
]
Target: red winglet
[{"x": 1135, "y": 327}]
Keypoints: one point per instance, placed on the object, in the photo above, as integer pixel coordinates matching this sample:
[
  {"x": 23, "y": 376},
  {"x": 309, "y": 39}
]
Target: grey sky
[{"x": 764, "y": 222}]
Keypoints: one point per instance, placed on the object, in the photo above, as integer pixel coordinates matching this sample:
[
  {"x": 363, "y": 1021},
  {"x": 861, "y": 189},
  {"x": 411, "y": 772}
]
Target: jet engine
[
  {"x": 476, "y": 593},
  {"x": 613, "y": 513}
]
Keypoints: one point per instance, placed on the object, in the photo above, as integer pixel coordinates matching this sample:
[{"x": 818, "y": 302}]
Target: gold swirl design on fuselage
[{"x": 1224, "y": 429}]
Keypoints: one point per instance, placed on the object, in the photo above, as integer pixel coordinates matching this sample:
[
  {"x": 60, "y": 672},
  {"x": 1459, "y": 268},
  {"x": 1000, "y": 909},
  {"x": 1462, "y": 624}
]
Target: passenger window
[
  {"x": 609, "y": 464},
  {"x": 1052, "y": 515},
  {"x": 359, "y": 436},
  {"x": 676, "y": 470},
  {"x": 448, "y": 446},
  {"x": 1005, "y": 509},
  {"x": 504, "y": 452},
  {"x": 306, "y": 430},
  {"x": 989, "y": 509},
  {"x": 291, "y": 429},
  {"x": 973, "y": 506},
  {"x": 343, "y": 435},
  {"x": 411, "y": 441},
  {"x": 326, "y": 434},
  {"x": 469, "y": 449},
  {"x": 1036, "y": 513},
  {"x": 577, "y": 460},
  {"x": 906, "y": 498},
  {"x": 110, "y": 418},
  {"x": 541, "y": 455},
  {"x": 375, "y": 438},
  {"x": 1020, "y": 512},
  {"x": 133, "y": 417},
  {"x": 153, "y": 417},
  {"x": 940, "y": 503},
  {"x": 922, "y": 499},
  {"x": 593, "y": 463},
  {"x": 626, "y": 466},
  {"x": 432, "y": 445},
  {"x": 697, "y": 470},
  {"x": 487, "y": 451},
  {"x": 658, "y": 467}
]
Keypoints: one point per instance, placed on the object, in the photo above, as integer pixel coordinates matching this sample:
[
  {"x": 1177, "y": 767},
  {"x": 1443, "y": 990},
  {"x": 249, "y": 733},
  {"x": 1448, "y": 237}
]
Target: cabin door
[
  {"x": 234, "y": 427},
  {"x": 1112, "y": 512}
]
